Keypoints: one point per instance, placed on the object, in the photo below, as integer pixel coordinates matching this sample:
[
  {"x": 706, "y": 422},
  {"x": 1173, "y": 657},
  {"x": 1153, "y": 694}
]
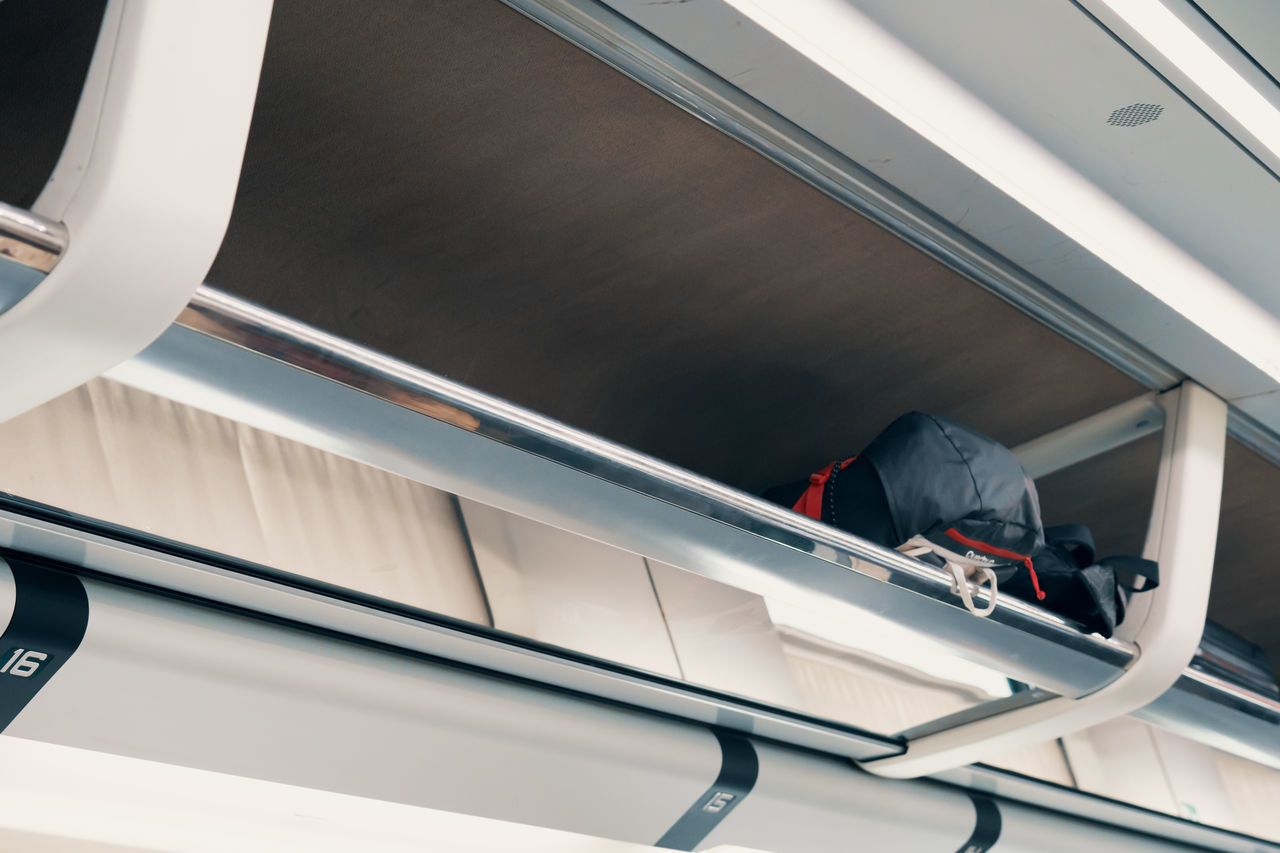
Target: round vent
[{"x": 1134, "y": 115}]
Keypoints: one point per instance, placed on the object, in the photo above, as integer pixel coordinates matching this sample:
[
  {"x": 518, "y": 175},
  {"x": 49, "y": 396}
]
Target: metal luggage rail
[{"x": 245, "y": 362}]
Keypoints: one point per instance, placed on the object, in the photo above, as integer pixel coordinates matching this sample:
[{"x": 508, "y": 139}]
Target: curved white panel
[{"x": 144, "y": 187}]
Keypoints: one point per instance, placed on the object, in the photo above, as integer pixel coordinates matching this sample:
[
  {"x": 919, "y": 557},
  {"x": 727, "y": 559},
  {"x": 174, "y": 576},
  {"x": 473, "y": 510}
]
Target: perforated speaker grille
[{"x": 1135, "y": 114}]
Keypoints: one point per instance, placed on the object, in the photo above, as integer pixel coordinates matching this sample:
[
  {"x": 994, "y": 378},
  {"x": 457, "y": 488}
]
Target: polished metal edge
[
  {"x": 1224, "y": 692},
  {"x": 1217, "y": 713},
  {"x": 30, "y": 239},
  {"x": 236, "y": 321},
  {"x": 679, "y": 79},
  {"x": 987, "y": 710}
]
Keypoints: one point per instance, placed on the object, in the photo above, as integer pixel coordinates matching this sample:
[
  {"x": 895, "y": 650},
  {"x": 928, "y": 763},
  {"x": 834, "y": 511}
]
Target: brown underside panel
[
  {"x": 45, "y": 49},
  {"x": 463, "y": 189},
  {"x": 1111, "y": 493},
  {"x": 1246, "y": 582}
]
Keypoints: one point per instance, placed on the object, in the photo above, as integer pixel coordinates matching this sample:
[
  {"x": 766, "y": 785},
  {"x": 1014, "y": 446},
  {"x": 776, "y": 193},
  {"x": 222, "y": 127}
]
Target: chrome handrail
[{"x": 31, "y": 240}]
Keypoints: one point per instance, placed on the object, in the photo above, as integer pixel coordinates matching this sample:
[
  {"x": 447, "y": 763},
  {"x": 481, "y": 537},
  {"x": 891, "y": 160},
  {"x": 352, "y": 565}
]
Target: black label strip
[
  {"x": 986, "y": 829},
  {"x": 50, "y": 615},
  {"x": 739, "y": 768}
]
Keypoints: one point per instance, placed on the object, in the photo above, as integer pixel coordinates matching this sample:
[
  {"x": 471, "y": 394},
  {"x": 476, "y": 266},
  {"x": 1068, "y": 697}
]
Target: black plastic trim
[
  {"x": 50, "y": 615},
  {"x": 739, "y": 769},
  {"x": 986, "y": 827}
]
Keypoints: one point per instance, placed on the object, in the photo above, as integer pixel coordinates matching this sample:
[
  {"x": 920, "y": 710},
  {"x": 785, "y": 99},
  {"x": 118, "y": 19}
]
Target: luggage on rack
[
  {"x": 933, "y": 489},
  {"x": 1074, "y": 583}
]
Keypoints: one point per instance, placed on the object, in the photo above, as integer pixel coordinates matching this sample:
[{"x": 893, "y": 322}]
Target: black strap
[
  {"x": 986, "y": 827},
  {"x": 1129, "y": 569},
  {"x": 50, "y": 613},
  {"x": 1076, "y": 539},
  {"x": 739, "y": 768}
]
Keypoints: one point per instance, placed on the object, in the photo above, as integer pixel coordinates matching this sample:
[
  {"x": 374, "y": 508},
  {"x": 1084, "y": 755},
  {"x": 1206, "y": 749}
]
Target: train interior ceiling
[{"x": 459, "y": 187}]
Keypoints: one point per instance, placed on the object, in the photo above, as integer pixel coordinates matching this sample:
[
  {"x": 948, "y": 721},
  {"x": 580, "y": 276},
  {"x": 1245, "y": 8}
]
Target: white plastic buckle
[{"x": 918, "y": 545}]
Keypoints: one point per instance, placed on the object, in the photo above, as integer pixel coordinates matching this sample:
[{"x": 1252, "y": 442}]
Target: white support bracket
[
  {"x": 1092, "y": 436},
  {"x": 1165, "y": 624},
  {"x": 130, "y": 222}
]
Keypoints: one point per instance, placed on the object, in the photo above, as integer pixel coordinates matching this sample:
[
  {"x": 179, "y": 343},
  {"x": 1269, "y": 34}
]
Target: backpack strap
[
  {"x": 810, "y": 502},
  {"x": 918, "y": 546},
  {"x": 1131, "y": 570},
  {"x": 1075, "y": 539}
]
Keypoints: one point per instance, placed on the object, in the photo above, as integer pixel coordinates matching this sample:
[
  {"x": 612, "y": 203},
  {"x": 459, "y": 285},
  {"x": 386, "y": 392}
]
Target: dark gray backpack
[
  {"x": 934, "y": 489},
  {"x": 1072, "y": 582}
]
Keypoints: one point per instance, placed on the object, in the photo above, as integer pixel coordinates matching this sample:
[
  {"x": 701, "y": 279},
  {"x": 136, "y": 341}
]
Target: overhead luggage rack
[
  {"x": 491, "y": 451},
  {"x": 242, "y": 361},
  {"x": 209, "y": 648}
]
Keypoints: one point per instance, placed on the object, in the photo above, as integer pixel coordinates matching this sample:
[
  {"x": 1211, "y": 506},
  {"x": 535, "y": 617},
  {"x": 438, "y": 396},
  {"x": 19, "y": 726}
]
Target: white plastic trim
[
  {"x": 1165, "y": 625},
  {"x": 145, "y": 186}
]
